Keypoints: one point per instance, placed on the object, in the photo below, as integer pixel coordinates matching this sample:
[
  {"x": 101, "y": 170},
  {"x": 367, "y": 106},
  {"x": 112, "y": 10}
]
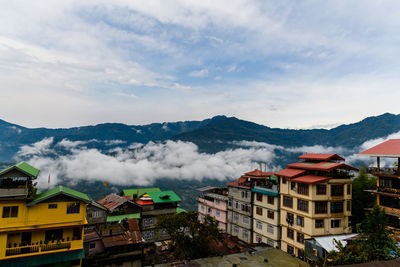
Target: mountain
[{"x": 211, "y": 135}]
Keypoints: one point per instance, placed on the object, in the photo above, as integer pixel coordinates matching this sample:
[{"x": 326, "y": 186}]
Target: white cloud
[
  {"x": 199, "y": 73},
  {"x": 39, "y": 148}
]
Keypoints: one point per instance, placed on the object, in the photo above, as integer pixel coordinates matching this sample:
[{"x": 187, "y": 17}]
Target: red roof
[
  {"x": 259, "y": 173},
  {"x": 290, "y": 173},
  {"x": 310, "y": 179},
  {"x": 321, "y": 156},
  {"x": 236, "y": 183},
  {"x": 112, "y": 201},
  {"x": 90, "y": 235},
  {"x": 144, "y": 202},
  {"x": 320, "y": 166},
  {"x": 390, "y": 148}
]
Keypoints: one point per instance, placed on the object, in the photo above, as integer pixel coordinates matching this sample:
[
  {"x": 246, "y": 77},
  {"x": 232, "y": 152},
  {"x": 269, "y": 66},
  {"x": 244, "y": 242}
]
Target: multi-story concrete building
[
  {"x": 266, "y": 211},
  {"x": 39, "y": 229},
  {"x": 388, "y": 178},
  {"x": 213, "y": 201},
  {"x": 240, "y": 205},
  {"x": 315, "y": 200}
]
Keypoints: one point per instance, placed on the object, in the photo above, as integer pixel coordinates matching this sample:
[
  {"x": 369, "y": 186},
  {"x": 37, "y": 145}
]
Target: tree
[
  {"x": 362, "y": 199},
  {"x": 374, "y": 242},
  {"x": 190, "y": 237}
]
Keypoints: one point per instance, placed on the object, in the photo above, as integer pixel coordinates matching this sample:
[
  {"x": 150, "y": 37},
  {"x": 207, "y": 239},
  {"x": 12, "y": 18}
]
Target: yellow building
[
  {"x": 315, "y": 200},
  {"x": 39, "y": 229}
]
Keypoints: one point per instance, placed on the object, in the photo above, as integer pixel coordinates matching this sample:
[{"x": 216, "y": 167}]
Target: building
[
  {"x": 153, "y": 203},
  {"x": 266, "y": 211},
  {"x": 388, "y": 178},
  {"x": 315, "y": 200},
  {"x": 213, "y": 201},
  {"x": 240, "y": 204},
  {"x": 39, "y": 229}
]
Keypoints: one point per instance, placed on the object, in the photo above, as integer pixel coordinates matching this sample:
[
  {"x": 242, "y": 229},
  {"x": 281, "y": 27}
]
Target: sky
[{"x": 287, "y": 64}]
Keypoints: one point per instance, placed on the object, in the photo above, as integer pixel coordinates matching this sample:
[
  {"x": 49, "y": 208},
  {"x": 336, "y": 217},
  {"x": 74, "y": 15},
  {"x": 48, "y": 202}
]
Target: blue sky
[{"x": 292, "y": 64}]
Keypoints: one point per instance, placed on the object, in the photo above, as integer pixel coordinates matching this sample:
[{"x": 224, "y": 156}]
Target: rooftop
[
  {"x": 290, "y": 173},
  {"x": 310, "y": 179},
  {"x": 60, "y": 190},
  {"x": 164, "y": 196},
  {"x": 320, "y": 166},
  {"x": 112, "y": 201},
  {"x": 389, "y": 148},
  {"x": 258, "y": 174},
  {"x": 321, "y": 156},
  {"x": 23, "y": 167},
  {"x": 140, "y": 191}
]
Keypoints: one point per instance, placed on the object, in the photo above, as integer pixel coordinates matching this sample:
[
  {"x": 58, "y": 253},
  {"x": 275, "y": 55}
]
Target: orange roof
[
  {"x": 290, "y": 173},
  {"x": 310, "y": 179},
  {"x": 144, "y": 202},
  {"x": 321, "y": 156},
  {"x": 320, "y": 166},
  {"x": 259, "y": 173},
  {"x": 390, "y": 148},
  {"x": 236, "y": 183}
]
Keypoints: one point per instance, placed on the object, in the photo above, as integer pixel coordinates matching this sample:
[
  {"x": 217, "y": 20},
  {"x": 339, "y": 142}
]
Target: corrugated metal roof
[
  {"x": 164, "y": 196},
  {"x": 112, "y": 201},
  {"x": 310, "y": 179},
  {"x": 321, "y": 156},
  {"x": 264, "y": 191},
  {"x": 320, "y": 166},
  {"x": 389, "y": 148},
  {"x": 118, "y": 218},
  {"x": 290, "y": 173},
  {"x": 23, "y": 167},
  {"x": 328, "y": 242},
  {"x": 60, "y": 190},
  {"x": 258, "y": 173}
]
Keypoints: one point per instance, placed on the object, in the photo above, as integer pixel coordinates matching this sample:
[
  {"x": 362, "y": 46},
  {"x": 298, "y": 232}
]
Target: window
[
  {"x": 148, "y": 235},
  {"x": 234, "y": 190},
  {"x": 290, "y": 218},
  {"x": 349, "y": 189},
  {"x": 245, "y": 234},
  {"x": 245, "y": 208},
  {"x": 92, "y": 245},
  {"x": 230, "y": 202},
  {"x": 290, "y": 233},
  {"x": 259, "y": 239},
  {"x": 348, "y": 205},
  {"x": 209, "y": 210},
  {"x": 148, "y": 221},
  {"x": 335, "y": 223},
  {"x": 302, "y": 205},
  {"x": 246, "y": 220},
  {"x": 336, "y": 190},
  {"x": 287, "y": 201},
  {"x": 270, "y": 214},
  {"x": 259, "y": 197},
  {"x": 321, "y": 189},
  {"x": 217, "y": 213},
  {"x": 72, "y": 208},
  {"x": 293, "y": 186},
  {"x": 337, "y": 207},
  {"x": 52, "y": 206},
  {"x": 201, "y": 217},
  {"x": 319, "y": 223},
  {"x": 270, "y": 200},
  {"x": 259, "y": 211},
  {"x": 245, "y": 194},
  {"x": 302, "y": 189},
  {"x": 163, "y": 233},
  {"x": 235, "y": 229},
  {"x": 259, "y": 225},
  {"x": 290, "y": 250},
  {"x": 202, "y": 207},
  {"x": 270, "y": 229},
  {"x": 321, "y": 207},
  {"x": 270, "y": 242},
  {"x": 10, "y": 212},
  {"x": 236, "y": 203},
  {"x": 283, "y": 180},
  {"x": 300, "y": 238},
  {"x": 300, "y": 221},
  {"x": 217, "y": 202},
  {"x": 235, "y": 216},
  {"x": 77, "y": 233}
]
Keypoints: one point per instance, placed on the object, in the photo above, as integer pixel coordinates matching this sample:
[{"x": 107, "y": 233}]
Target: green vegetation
[
  {"x": 190, "y": 238},
  {"x": 361, "y": 199},
  {"x": 373, "y": 244}
]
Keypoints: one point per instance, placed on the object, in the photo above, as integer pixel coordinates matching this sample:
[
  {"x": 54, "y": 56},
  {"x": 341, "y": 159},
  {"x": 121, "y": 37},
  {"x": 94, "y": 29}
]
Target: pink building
[{"x": 213, "y": 201}]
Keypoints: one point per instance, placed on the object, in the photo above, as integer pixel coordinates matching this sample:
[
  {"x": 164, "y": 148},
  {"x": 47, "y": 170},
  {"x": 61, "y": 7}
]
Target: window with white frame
[
  {"x": 259, "y": 225},
  {"x": 202, "y": 207},
  {"x": 235, "y": 216},
  {"x": 235, "y": 229},
  {"x": 245, "y": 234},
  {"x": 217, "y": 202},
  {"x": 217, "y": 213},
  {"x": 270, "y": 229},
  {"x": 246, "y": 220}
]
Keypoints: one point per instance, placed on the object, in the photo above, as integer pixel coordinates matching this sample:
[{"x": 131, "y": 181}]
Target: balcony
[
  {"x": 37, "y": 248},
  {"x": 13, "y": 192},
  {"x": 388, "y": 190},
  {"x": 272, "y": 191},
  {"x": 384, "y": 171}
]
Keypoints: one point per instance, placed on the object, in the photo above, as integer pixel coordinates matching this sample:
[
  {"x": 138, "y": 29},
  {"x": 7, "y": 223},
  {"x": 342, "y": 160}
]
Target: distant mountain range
[{"x": 211, "y": 135}]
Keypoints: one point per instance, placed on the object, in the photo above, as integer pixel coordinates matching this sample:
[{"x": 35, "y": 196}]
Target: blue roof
[{"x": 264, "y": 192}]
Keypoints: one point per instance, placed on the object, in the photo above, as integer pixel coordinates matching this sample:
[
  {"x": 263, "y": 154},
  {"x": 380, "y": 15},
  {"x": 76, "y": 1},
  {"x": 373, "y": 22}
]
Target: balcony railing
[
  {"x": 388, "y": 171},
  {"x": 13, "y": 192},
  {"x": 388, "y": 190},
  {"x": 37, "y": 248}
]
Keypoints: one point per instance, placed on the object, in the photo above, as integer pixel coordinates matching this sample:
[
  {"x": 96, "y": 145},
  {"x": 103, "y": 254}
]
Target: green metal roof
[
  {"x": 264, "y": 192},
  {"x": 180, "y": 210},
  {"x": 23, "y": 167},
  {"x": 121, "y": 217},
  {"x": 140, "y": 191},
  {"x": 164, "y": 196},
  {"x": 60, "y": 190}
]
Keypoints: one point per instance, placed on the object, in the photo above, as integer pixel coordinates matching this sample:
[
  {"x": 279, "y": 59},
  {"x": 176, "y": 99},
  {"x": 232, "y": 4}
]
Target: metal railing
[
  {"x": 37, "y": 248},
  {"x": 389, "y": 171}
]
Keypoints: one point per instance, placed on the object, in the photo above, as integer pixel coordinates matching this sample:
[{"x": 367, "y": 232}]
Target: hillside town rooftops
[
  {"x": 112, "y": 201},
  {"x": 290, "y": 173},
  {"x": 321, "y": 156},
  {"x": 60, "y": 190},
  {"x": 389, "y": 148},
  {"x": 23, "y": 167}
]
